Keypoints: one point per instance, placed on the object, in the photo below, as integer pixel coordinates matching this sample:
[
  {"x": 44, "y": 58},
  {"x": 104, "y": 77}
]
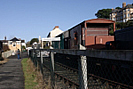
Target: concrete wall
[
  {"x": 126, "y": 55},
  {"x": 7, "y": 54}
]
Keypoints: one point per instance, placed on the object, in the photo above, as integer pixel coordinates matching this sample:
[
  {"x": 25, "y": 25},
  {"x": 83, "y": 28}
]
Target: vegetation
[
  {"x": 117, "y": 8},
  {"x": 121, "y": 25},
  {"x": 45, "y": 45},
  {"x": 28, "y": 44},
  {"x": 33, "y": 76},
  {"x": 23, "y": 48},
  {"x": 29, "y": 76},
  {"x": 104, "y": 13},
  {"x": 34, "y": 40}
]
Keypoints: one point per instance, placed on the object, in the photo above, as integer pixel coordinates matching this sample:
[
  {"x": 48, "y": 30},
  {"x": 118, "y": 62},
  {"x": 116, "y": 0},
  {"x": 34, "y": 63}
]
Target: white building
[
  {"x": 52, "y": 34},
  {"x": 56, "y": 31},
  {"x": 122, "y": 15}
]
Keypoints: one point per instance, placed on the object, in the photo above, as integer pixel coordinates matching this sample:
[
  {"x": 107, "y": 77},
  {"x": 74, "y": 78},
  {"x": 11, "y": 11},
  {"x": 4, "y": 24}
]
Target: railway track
[
  {"x": 101, "y": 73},
  {"x": 67, "y": 78}
]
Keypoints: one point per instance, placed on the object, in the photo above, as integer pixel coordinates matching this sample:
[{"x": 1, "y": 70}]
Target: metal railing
[{"x": 83, "y": 69}]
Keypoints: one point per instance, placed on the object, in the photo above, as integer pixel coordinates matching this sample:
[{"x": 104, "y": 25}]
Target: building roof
[
  {"x": 115, "y": 10},
  {"x": 56, "y": 31},
  {"x": 126, "y": 7},
  {"x": 99, "y": 20},
  {"x": 4, "y": 41},
  {"x": 23, "y": 41},
  {"x": 14, "y": 39},
  {"x": 129, "y": 6}
]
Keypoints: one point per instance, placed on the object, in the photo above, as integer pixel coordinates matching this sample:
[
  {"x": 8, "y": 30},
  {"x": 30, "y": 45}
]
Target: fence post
[
  {"x": 52, "y": 70},
  {"x": 82, "y": 67},
  {"x": 41, "y": 67}
]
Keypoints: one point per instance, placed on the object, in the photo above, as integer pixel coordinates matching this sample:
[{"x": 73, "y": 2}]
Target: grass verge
[{"x": 29, "y": 75}]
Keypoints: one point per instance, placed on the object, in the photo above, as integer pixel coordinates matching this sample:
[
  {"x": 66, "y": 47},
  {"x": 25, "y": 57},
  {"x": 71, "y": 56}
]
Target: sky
[{"x": 27, "y": 19}]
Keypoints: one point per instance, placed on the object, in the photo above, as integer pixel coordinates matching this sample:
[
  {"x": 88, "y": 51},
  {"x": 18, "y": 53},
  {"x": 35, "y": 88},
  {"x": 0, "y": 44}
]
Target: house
[
  {"x": 52, "y": 34},
  {"x": 13, "y": 44},
  {"x": 56, "y": 31},
  {"x": 23, "y": 43},
  {"x": 122, "y": 15}
]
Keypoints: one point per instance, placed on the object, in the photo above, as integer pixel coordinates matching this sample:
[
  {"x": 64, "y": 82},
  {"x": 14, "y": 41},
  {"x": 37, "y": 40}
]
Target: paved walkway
[{"x": 11, "y": 73}]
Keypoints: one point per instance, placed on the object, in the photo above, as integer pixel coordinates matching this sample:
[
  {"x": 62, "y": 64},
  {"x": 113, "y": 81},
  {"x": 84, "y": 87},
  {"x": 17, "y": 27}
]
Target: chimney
[
  {"x": 5, "y": 37},
  {"x": 56, "y": 27},
  {"x": 123, "y": 4},
  {"x": 40, "y": 39}
]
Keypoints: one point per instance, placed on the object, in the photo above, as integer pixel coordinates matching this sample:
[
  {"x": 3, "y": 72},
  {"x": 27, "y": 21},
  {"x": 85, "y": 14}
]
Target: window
[
  {"x": 18, "y": 43},
  {"x": 75, "y": 38},
  {"x": 125, "y": 16},
  {"x": 14, "y": 44},
  {"x": 128, "y": 15},
  {"x": 10, "y": 43}
]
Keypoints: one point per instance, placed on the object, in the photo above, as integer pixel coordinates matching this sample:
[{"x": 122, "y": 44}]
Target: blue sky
[{"x": 27, "y": 19}]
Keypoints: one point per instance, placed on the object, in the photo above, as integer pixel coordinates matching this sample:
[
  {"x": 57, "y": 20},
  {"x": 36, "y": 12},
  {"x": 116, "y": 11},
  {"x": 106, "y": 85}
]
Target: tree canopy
[
  {"x": 117, "y": 8},
  {"x": 121, "y": 25},
  {"x": 104, "y": 13},
  {"x": 34, "y": 40}
]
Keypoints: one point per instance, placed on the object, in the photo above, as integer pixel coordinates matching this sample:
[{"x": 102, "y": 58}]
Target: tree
[
  {"x": 104, "y": 13},
  {"x": 129, "y": 23},
  {"x": 34, "y": 40},
  {"x": 117, "y": 8},
  {"x": 23, "y": 48},
  {"x": 28, "y": 44}
]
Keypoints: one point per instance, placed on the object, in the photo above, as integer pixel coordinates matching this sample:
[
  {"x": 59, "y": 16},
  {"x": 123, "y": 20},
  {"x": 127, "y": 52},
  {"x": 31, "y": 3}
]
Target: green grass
[{"x": 29, "y": 75}]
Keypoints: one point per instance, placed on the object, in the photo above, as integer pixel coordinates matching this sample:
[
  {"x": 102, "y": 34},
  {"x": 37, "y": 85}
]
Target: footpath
[{"x": 11, "y": 73}]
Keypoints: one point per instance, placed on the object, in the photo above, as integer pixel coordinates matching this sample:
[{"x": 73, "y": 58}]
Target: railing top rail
[{"x": 125, "y": 55}]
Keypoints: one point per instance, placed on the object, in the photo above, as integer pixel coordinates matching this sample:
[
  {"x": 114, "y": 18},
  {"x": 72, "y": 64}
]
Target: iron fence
[{"x": 74, "y": 71}]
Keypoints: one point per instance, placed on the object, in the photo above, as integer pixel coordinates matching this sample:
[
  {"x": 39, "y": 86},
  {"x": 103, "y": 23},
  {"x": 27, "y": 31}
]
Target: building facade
[
  {"x": 89, "y": 34},
  {"x": 14, "y": 44},
  {"x": 56, "y": 31},
  {"x": 52, "y": 34},
  {"x": 122, "y": 15}
]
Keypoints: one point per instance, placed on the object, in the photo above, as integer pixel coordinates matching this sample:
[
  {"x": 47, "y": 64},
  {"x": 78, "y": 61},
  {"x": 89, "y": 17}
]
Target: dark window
[{"x": 75, "y": 38}]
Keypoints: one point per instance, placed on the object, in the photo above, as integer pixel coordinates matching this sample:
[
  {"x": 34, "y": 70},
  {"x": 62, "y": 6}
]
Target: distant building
[
  {"x": 56, "y": 31},
  {"x": 122, "y": 15},
  {"x": 23, "y": 43},
  {"x": 14, "y": 44}
]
